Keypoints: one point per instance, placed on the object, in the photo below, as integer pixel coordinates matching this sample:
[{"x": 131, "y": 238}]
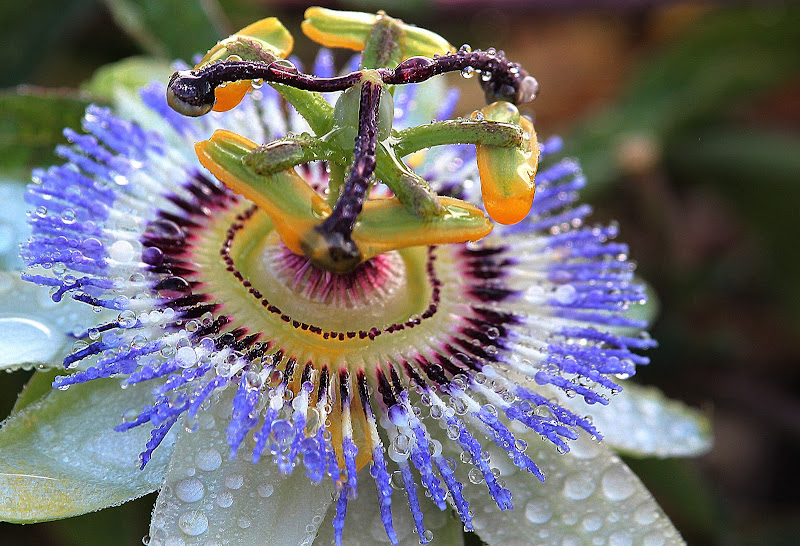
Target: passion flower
[{"x": 302, "y": 295}]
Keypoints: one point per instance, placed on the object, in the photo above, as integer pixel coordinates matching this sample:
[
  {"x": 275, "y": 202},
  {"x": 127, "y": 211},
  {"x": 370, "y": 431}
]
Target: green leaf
[
  {"x": 171, "y": 29},
  {"x": 251, "y": 503},
  {"x": 641, "y": 421},
  {"x": 61, "y": 456},
  {"x": 32, "y": 125},
  {"x": 128, "y": 74},
  {"x": 730, "y": 54}
]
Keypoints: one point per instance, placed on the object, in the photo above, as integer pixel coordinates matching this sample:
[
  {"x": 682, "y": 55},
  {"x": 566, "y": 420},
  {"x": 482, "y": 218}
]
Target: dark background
[{"x": 686, "y": 117}]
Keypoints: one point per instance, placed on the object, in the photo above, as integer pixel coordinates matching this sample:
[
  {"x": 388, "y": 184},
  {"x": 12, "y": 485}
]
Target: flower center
[{"x": 272, "y": 291}]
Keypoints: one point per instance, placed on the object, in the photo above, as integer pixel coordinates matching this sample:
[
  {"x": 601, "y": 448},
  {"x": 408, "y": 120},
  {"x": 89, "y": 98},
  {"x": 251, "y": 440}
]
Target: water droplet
[
  {"x": 165, "y": 230},
  {"x": 265, "y": 490},
  {"x": 578, "y": 486},
  {"x": 618, "y": 483},
  {"x": 234, "y": 481},
  {"x": 186, "y": 357},
  {"x": 475, "y": 476},
  {"x": 225, "y": 499},
  {"x": 243, "y": 523},
  {"x": 592, "y": 522},
  {"x": 538, "y": 511},
  {"x": 427, "y": 535},
  {"x": 654, "y": 538},
  {"x": 190, "y": 490},
  {"x": 121, "y": 251},
  {"x": 645, "y": 514},
  {"x": 68, "y": 216},
  {"x": 193, "y": 523},
  {"x": 467, "y": 72},
  {"x": 620, "y": 538},
  {"x": 208, "y": 459},
  {"x": 27, "y": 340}
]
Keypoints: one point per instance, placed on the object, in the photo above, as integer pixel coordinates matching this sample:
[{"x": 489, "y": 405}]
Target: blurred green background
[{"x": 686, "y": 117}]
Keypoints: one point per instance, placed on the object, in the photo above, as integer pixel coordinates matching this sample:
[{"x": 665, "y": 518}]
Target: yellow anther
[
  {"x": 296, "y": 209},
  {"x": 230, "y": 95},
  {"x": 507, "y": 173},
  {"x": 352, "y": 29},
  {"x": 292, "y": 205},
  {"x": 264, "y": 40},
  {"x": 386, "y": 224}
]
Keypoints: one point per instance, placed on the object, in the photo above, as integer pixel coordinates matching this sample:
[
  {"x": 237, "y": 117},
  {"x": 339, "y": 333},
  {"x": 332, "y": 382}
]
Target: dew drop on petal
[
  {"x": 208, "y": 459},
  {"x": 654, "y": 538},
  {"x": 190, "y": 490},
  {"x": 186, "y": 357},
  {"x": 27, "y": 339},
  {"x": 265, "y": 490},
  {"x": 193, "y": 522},
  {"x": 578, "y": 486},
  {"x": 539, "y": 511},
  {"x": 645, "y": 514},
  {"x": 592, "y": 522},
  {"x": 620, "y": 538},
  {"x": 121, "y": 251},
  {"x": 617, "y": 483},
  {"x": 225, "y": 499},
  {"x": 234, "y": 481}
]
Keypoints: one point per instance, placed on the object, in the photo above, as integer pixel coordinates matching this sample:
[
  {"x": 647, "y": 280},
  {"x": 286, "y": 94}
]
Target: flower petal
[
  {"x": 642, "y": 421},
  {"x": 209, "y": 499},
  {"x": 61, "y": 456},
  {"x": 588, "y": 497},
  {"x": 33, "y": 329},
  {"x": 365, "y": 526},
  {"x": 13, "y": 223}
]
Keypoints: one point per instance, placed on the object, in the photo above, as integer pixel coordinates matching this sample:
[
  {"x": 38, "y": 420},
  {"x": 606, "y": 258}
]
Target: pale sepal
[
  {"x": 208, "y": 498},
  {"x": 14, "y": 227},
  {"x": 641, "y": 421},
  {"x": 589, "y": 496},
  {"x": 34, "y": 330},
  {"x": 61, "y": 456}
]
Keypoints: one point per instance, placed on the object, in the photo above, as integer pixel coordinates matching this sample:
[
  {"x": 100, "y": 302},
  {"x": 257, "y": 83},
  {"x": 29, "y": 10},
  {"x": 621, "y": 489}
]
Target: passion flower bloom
[{"x": 456, "y": 378}]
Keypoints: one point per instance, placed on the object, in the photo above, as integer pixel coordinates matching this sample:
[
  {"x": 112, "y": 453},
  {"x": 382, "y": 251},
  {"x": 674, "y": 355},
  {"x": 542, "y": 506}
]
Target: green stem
[
  {"x": 284, "y": 154},
  {"x": 412, "y": 190},
  {"x": 458, "y": 131},
  {"x": 310, "y": 104},
  {"x": 336, "y": 174}
]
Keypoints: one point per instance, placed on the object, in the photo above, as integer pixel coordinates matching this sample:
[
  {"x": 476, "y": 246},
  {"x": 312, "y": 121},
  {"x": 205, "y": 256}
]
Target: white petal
[
  {"x": 61, "y": 456},
  {"x": 642, "y": 421},
  {"x": 14, "y": 227},
  {"x": 589, "y": 497},
  {"x": 35, "y": 331},
  {"x": 209, "y": 499},
  {"x": 364, "y": 527}
]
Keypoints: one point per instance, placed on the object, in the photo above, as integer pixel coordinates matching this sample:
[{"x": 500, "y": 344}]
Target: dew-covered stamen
[
  {"x": 401, "y": 413},
  {"x": 377, "y": 470},
  {"x": 274, "y": 399},
  {"x": 438, "y": 411}
]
